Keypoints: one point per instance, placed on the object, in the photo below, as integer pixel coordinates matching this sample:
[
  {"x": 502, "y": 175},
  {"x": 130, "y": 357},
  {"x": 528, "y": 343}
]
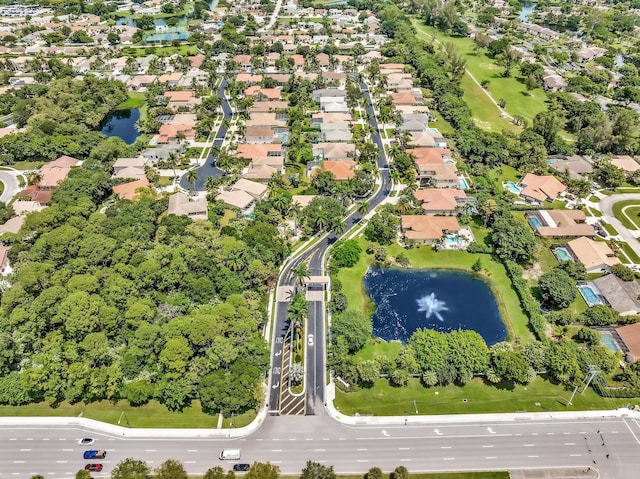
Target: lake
[
  {"x": 443, "y": 300},
  {"x": 122, "y": 123}
]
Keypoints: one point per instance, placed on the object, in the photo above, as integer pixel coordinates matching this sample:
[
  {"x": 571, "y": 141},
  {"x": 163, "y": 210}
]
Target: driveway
[
  {"x": 11, "y": 186},
  {"x": 606, "y": 207}
]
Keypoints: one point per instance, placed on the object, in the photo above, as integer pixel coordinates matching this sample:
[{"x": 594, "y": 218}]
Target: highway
[
  {"x": 315, "y": 370},
  {"x": 289, "y": 441}
]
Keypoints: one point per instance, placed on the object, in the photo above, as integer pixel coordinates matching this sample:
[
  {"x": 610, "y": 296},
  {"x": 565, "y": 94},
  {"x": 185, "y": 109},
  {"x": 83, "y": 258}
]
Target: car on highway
[
  {"x": 86, "y": 441},
  {"x": 241, "y": 467},
  {"x": 310, "y": 340},
  {"x": 94, "y": 454},
  {"x": 93, "y": 467}
]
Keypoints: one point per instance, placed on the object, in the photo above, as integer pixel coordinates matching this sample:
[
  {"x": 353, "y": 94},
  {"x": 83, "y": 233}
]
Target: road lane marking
[
  {"x": 29, "y": 439},
  {"x": 19, "y": 462},
  {"x": 62, "y": 462},
  {"x": 67, "y": 450},
  {"x": 445, "y": 447},
  {"x": 575, "y": 455},
  {"x": 319, "y": 450},
  {"x": 533, "y": 456},
  {"x": 614, "y": 432},
  {"x": 292, "y": 439},
  {"x": 403, "y": 449},
  {"x": 448, "y": 458},
  {"x": 45, "y": 439},
  {"x": 12, "y": 439},
  {"x": 192, "y": 450},
  {"x": 27, "y": 450},
  {"x": 534, "y": 433},
  {"x": 528, "y": 445},
  {"x": 566, "y": 433},
  {"x": 189, "y": 462},
  {"x": 259, "y": 439},
  {"x": 490, "y": 457},
  {"x": 405, "y": 460},
  {"x": 550, "y": 433},
  {"x": 487, "y": 446},
  {"x": 62, "y": 439},
  {"x": 342, "y": 439},
  {"x": 362, "y": 449},
  {"x": 151, "y": 450},
  {"x": 628, "y": 427},
  {"x": 276, "y": 450},
  {"x": 275, "y": 439},
  {"x": 362, "y": 460},
  {"x": 569, "y": 443},
  {"x": 276, "y": 462},
  {"x": 326, "y": 439}
]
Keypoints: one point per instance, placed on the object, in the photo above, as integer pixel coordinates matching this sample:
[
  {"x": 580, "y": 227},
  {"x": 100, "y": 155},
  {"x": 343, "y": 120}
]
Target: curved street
[
  {"x": 606, "y": 207},
  {"x": 9, "y": 179}
]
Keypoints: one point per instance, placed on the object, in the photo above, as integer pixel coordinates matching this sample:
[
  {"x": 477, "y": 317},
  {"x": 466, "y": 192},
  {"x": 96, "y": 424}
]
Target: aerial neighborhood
[{"x": 352, "y": 221}]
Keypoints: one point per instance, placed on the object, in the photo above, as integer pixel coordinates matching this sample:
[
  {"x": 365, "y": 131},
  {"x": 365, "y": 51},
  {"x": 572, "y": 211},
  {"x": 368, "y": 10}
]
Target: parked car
[
  {"x": 310, "y": 340},
  {"x": 86, "y": 441},
  {"x": 93, "y": 467},
  {"x": 94, "y": 454},
  {"x": 241, "y": 467}
]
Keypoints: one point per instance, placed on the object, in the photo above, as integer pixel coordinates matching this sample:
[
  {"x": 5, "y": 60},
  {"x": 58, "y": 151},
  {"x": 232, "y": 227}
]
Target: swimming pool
[
  {"x": 513, "y": 188},
  {"x": 463, "y": 183},
  {"x": 534, "y": 222},
  {"x": 563, "y": 254},
  {"x": 589, "y": 295},
  {"x": 451, "y": 240},
  {"x": 607, "y": 340}
]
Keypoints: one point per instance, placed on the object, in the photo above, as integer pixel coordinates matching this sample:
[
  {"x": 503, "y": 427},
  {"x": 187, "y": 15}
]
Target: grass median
[{"x": 628, "y": 212}]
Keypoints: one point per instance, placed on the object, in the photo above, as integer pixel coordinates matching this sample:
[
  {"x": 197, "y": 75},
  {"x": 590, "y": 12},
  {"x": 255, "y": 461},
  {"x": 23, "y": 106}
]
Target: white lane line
[
  {"x": 189, "y": 462},
  {"x": 45, "y": 439},
  {"x": 151, "y": 450},
  {"x": 486, "y": 446},
  {"x": 362, "y": 449},
  {"x": 566, "y": 433},
  {"x": 192, "y": 450},
  {"x": 518, "y": 434},
  {"x": 292, "y": 439},
  {"x": 309, "y": 439},
  {"x": 405, "y": 460},
  {"x": 448, "y": 458},
  {"x": 614, "y": 432},
  {"x": 362, "y": 460},
  {"x": 29, "y": 439},
  {"x": 490, "y": 457},
  {"x": 550, "y": 433},
  {"x": 319, "y": 450},
  {"x": 276, "y": 450},
  {"x": 276, "y": 462},
  {"x": 403, "y": 449},
  {"x": 534, "y": 433},
  {"x": 342, "y": 439},
  {"x": 62, "y": 462},
  {"x": 259, "y": 439},
  {"x": 533, "y": 456},
  {"x": 62, "y": 439},
  {"x": 528, "y": 445},
  {"x": 19, "y": 462},
  {"x": 575, "y": 455},
  {"x": 12, "y": 439},
  {"x": 569, "y": 443},
  {"x": 634, "y": 436},
  {"x": 24, "y": 450},
  {"x": 326, "y": 439},
  {"x": 445, "y": 447},
  {"x": 275, "y": 439},
  {"x": 582, "y": 432},
  {"x": 67, "y": 450}
]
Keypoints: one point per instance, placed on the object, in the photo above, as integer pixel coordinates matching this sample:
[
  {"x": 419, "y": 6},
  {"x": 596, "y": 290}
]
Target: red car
[{"x": 93, "y": 467}]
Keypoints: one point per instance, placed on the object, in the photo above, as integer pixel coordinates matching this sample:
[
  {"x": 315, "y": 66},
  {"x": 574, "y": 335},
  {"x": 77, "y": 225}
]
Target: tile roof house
[
  {"x": 621, "y": 295},
  {"x": 334, "y": 151},
  {"x": 268, "y": 107},
  {"x": 596, "y": 256},
  {"x": 630, "y": 336},
  {"x": 577, "y": 167},
  {"x": 303, "y": 200},
  {"x": 560, "y": 224},
  {"x": 260, "y": 134},
  {"x": 130, "y": 191},
  {"x": 5, "y": 264},
  {"x": 252, "y": 151},
  {"x": 435, "y": 167},
  {"x": 342, "y": 170},
  {"x": 243, "y": 195},
  {"x": 428, "y": 229},
  {"x": 625, "y": 162},
  {"x": 181, "y": 204},
  {"x": 183, "y": 98},
  {"x": 265, "y": 119},
  {"x": 540, "y": 188},
  {"x": 444, "y": 201},
  {"x": 55, "y": 172},
  {"x": 129, "y": 168}
]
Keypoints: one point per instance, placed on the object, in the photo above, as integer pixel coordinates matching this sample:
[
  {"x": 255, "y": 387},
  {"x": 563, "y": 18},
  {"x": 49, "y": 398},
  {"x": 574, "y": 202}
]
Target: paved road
[
  {"x": 289, "y": 441},
  {"x": 11, "y": 185},
  {"x": 209, "y": 168},
  {"x": 315, "y": 380},
  {"x": 274, "y": 16},
  {"x": 606, "y": 206}
]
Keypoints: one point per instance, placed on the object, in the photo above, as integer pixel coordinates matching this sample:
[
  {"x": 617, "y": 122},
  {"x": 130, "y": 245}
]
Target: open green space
[
  {"x": 629, "y": 252},
  {"x": 609, "y": 229},
  {"x": 27, "y": 165},
  {"x": 628, "y": 212},
  {"x": 519, "y": 100},
  {"x": 425, "y": 257},
  {"x": 135, "y": 100},
  {"x": 441, "y": 475},
  {"x": 476, "y": 397}
]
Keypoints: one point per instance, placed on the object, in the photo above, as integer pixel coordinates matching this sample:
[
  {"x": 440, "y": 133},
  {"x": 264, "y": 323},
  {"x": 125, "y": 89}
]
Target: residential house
[
  {"x": 5, "y": 264},
  {"x": 621, "y": 295},
  {"x": 560, "y": 224},
  {"x": 596, "y": 256},
  {"x": 268, "y": 107},
  {"x": 266, "y": 119},
  {"x": 625, "y": 162},
  {"x": 169, "y": 133},
  {"x": 630, "y": 336},
  {"x": 339, "y": 132},
  {"x": 302, "y": 200},
  {"x": 243, "y": 195},
  {"x": 577, "y": 167},
  {"x": 587, "y": 54},
  {"x": 435, "y": 167},
  {"x": 342, "y": 170},
  {"x": 262, "y": 94},
  {"x": 335, "y": 93},
  {"x": 55, "y": 172},
  {"x": 428, "y": 229},
  {"x": 171, "y": 79},
  {"x": 253, "y": 151},
  {"x": 540, "y": 188},
  {"x": 260, "y": 134},
  {"x": 183, "y": 99},
  {"x": 129, "y": 168},
  {"x": 318, "y": 119},
  {"x": 182, "y": 204},
  {"x": 435, "y": 201},
  {"x": 334, "y": 151},
  {"x": 130, "y": 190}
]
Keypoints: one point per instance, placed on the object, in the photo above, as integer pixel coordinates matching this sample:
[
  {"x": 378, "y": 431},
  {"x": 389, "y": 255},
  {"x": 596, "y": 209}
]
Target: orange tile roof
[
  {"x": 128, "y": 191},
  {"x": 420, "y": 227},
  {"x": 342, "y": 169},
  {"x": 439, "y": 199},
  {"x": 180, "y": 96}
]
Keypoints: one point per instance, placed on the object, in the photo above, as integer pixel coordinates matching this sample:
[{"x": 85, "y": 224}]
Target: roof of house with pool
[
  {"x": 595, "y": 255},
  {"x": 621, "y": 295},
  {"x": 541, "y": 188}
]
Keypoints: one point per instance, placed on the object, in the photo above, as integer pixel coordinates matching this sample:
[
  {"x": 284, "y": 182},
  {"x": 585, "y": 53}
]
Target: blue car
[{"x": 94, "y": 454}]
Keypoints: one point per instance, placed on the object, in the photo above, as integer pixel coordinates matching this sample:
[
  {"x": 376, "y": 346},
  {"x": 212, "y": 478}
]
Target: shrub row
[{"x": 537, "y": 322}]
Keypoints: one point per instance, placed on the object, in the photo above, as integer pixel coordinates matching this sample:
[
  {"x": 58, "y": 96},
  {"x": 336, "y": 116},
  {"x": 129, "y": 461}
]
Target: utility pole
[
  {"x": 572, "y": 394},
  {"x": 592, "y": 373}
]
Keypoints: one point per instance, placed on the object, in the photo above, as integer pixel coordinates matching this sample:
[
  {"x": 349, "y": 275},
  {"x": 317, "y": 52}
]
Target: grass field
[
  {"x": 425, "y": 257},
  {"x": 609, "y": 229},
  {"x": 438, "y": 475},
  {"x": 135, "y": 100},
  {"x": 519, "y": 100},
  {"x": 27, "y": 165},
  {"x": 630, "y": 217},
  {"x": 631, "y": 254},
  {"x": 540, "y": 395}
]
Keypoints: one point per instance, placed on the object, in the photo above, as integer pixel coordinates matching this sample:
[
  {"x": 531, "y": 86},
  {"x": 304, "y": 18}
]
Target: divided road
[
  {"x": 606, "y": 206},
  {"x": 610, "y": 445}
]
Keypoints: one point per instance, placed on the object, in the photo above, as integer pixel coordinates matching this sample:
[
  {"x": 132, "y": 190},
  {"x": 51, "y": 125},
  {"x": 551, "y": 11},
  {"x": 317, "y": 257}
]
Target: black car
[{"x": 241, "y": 467}]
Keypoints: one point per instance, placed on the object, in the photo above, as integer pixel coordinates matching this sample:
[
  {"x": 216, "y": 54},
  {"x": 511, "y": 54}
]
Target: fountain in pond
[{"x": 431, "y": 306}]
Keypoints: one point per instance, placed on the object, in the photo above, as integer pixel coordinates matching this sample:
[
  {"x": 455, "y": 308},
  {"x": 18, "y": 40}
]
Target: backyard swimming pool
[
  {"x": 463, "y": 183},
  {"x": 534, "y": 222},
  {"x": 513, "y": 188},
  {"x": 607, "y": 340},
  {"x": 563, "y": 254},
  {"x": 589, "y": 295}
]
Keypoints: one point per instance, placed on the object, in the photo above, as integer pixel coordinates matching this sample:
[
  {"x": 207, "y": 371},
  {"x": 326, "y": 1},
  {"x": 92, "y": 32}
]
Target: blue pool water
[
  {"x": 463, "y": 184},
  {"x": 535, "y": 222},
  {"x": 513, "y": 188},
  {"x": 563, "y": 254},
  {"x": 608, "y": 342},
  {"x": 589, "y": 295},
  {"x": 451, "y": 240}
]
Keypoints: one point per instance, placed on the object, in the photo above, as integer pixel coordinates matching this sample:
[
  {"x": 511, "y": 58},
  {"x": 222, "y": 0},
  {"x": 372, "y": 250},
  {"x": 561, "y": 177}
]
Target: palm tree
[
  {"x": 173, "y": 161},
  {"x": 321, "y": 221},
  {"x": 337, "y": 226},
  {"x": 211, "y": 184},
  {"x": 363, "y": 207},
  {"x": 300, "y": 274},
  {"x": 192, "y": 177}
]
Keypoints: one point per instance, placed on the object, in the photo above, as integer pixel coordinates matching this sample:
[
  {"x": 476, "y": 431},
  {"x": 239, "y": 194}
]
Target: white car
[
  {"x": 310, "y": 340},
  {"x": 86, "y": 441}
]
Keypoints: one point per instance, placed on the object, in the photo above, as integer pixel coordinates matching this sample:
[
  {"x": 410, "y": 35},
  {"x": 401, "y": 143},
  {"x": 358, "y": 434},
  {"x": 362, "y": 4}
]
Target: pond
[
  {"x": 122, "y": 123},
  {"x": 443, "y": 300}
]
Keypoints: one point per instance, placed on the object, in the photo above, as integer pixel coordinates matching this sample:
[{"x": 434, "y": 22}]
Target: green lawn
[
  {"x": 164, "y": 181},
  {"x": 519, "y": 100},
  {"x": 630, "y": 217},
  {"x": 425, "y": 257},
  {"x": 135, "y": 100},
  {"x": 385, "y": 400},
  {"x": 631, "y": 254},
  {"x": 27, "y": 165},
  {"x": 439, "y": 475},
  {"x": 378, "y": 347},
  {"x": 609, "y": 229}
]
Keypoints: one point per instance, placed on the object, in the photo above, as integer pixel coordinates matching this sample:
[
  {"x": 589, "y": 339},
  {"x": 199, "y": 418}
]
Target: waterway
[{"x": 122, "y": 123}]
